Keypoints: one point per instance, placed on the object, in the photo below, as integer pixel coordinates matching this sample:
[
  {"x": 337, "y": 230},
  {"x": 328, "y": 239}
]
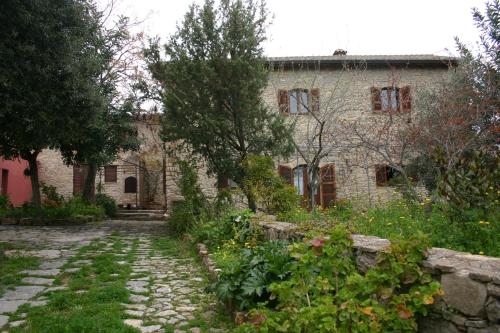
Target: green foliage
[
  {"x": 212, "y": 87},
  {"x": 269, "y": 189},
  {"x": 234, "y": 227},
  {"x": 470, "y": 230},
  {"x": 471, "y": 182},
  {"x": 247, "y": 273},
  {"x": 4, "y": 201},
  {"x": 325, "y": 293},
  {"x": 46, "y": 59},
  {"x": 106, "y": 202},
  {"x": 194, "y": 208},
  {"x": 66, "y": 210},
  {"x": 51, "y": 194},
  {"x": 11, "y": 266}
]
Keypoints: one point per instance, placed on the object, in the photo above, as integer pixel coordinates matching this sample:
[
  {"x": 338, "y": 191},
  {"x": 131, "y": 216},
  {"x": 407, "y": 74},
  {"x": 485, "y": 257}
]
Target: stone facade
[
  {"x": 345, "y": 94},
  {"x": 154, "y": 170},
  {"x": 471, "y": 283}
]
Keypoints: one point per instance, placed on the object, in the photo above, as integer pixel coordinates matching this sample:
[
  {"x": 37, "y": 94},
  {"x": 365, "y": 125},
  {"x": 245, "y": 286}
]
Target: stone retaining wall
[{"x": 471, "y": 283}]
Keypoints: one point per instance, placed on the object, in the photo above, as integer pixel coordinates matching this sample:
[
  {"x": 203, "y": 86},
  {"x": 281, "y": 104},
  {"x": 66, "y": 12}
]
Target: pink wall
[{"x": 18, "y": 185}]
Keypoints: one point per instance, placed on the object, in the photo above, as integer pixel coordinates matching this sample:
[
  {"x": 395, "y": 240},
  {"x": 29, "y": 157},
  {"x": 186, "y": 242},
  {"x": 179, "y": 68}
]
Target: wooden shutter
[
  {"x": 315, "y": 100},
  {"x": 223, "y": 183},
  {"x": 79, "y": 176},
  {"x": 110, "y": 174},
  {"x": 327, "y": 185},
  {"x": 376, "y": 100},
  {"x": 286, "y": 173},
  {"x": 381, "y": 174},
  {"x": 131, "y": 185},
  {"x": 283, "y": 101},
  {"x": 405, "y": 99}
]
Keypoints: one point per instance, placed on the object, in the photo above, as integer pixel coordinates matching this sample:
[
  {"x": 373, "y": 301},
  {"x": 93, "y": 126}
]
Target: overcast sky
[{"x": 318, "y": 27}]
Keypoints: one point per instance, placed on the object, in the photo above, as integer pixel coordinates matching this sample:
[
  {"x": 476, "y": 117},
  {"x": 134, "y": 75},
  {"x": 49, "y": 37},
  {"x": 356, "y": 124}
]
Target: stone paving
[{"x": 166, "y": 291}]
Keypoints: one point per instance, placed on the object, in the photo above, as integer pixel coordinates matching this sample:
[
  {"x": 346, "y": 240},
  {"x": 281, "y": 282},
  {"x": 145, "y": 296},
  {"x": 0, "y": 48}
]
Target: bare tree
[{"x": 319, "y": 133}]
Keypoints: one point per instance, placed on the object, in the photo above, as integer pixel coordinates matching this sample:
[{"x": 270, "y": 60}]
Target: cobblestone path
[{"x": 162, "y": 283}]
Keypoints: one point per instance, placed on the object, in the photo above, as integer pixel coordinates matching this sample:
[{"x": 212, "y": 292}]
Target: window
[
  {"x": 110, "y": 174},
  {"x": 384, "y": 174},
  {"x": 225, "y": 182},
  {"x": 391, "y": 99},
  {"x": 298, "y": 179},
  {"x": 5, "y": 182},
  {"x": 298, "y": 101},
  {"x": 131, "y": 185}
]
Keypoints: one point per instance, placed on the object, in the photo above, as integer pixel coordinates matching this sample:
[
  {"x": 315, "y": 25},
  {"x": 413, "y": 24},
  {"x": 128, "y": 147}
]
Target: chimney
[{"x": 340, "y": 52}]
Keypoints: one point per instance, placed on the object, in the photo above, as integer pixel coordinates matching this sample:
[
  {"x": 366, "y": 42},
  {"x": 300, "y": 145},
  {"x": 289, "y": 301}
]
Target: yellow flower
[
  {"x": 481, "y": 222},
  {"x": 481, "y": 252}
]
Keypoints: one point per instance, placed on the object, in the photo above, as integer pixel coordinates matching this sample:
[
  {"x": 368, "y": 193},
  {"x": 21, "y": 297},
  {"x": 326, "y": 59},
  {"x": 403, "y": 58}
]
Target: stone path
[{"x": 167, "y": 291}]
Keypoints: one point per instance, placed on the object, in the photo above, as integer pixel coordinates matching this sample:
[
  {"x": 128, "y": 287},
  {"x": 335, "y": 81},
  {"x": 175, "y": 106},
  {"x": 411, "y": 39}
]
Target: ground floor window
[
  {"x": 131, "y": 185},
  {"x": 384, "y": 174},
  {"x": 5, "y": 182}
]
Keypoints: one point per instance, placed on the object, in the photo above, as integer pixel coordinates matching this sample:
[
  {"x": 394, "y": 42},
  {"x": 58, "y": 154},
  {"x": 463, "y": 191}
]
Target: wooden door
[{"x": 327, "y": 186}]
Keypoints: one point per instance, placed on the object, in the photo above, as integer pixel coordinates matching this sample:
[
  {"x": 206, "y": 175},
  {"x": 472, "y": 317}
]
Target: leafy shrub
[
  {"x": 234, "y": 226},
  {"x": 247, "y": 273},
  {"x": 106, "y": 202},
  {"x": 52, "y": 198},
  {"x": 325, "y": 293},
  {"x": 269, "y": 189},
  {"x": 182, "y": 217},
  {"x": 4, "y": 201}
]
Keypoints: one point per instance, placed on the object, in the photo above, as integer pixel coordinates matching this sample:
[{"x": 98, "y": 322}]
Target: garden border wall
[{"x": 471, "y": 283}]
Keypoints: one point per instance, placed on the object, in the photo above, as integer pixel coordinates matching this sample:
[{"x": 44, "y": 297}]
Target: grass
[
  {"x": 93, "y": 300},
  {"x": 11, "y": 266}
]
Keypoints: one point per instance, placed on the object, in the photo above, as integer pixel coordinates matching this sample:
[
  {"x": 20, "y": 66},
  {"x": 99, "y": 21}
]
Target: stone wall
[{"x": 471, "y": 283}]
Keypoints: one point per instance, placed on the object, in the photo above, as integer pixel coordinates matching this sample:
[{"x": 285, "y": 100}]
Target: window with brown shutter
[
  {"x": 315, "y": 100},
  {"x": 385, "y": 175},
  {"x": 327, "y": 185},
  {"x": 283, "y": 101},
  {"x": 130, "y": 185},
  {"x": 405, "y": 96},
  {"x": 110, "y": 174},
  {"x": 286, "y": 173}
]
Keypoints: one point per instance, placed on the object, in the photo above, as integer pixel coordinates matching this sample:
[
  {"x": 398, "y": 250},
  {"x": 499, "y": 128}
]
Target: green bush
[
  {"x": 51, "y": 194},
  {"x": 247, "y": 273},
  {"x": 194, "y": 208},
  {"x": 269, "y": 189},
  {"x": 324, "y": 292},
  {"x": 4, "y": 202},
  {"x": 106, "y": 202}
]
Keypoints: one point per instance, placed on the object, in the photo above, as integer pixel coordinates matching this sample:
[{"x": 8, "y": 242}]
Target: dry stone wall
[{"x": 471, "y": 283}]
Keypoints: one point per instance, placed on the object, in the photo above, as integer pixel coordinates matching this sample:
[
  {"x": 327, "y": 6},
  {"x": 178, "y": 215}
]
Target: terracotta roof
[{"x": 421, "y": 59}]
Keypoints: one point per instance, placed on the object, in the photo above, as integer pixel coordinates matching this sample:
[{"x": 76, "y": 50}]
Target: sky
[{"x": 319, "y": 27}]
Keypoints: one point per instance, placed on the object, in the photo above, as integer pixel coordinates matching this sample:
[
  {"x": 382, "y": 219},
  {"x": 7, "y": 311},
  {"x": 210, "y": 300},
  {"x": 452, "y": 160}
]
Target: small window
[
  {"x": 225, "y": 182},
  {"x": 385, "y": 174},
  {"x": 110, "y": 174},
  {"x": 298, "y": 101},
  {"x": 130, "y": 185},
  {"x": 391, "y": 99}
]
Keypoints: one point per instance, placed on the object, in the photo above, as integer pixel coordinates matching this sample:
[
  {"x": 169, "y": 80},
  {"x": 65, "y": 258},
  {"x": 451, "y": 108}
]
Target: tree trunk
[
  {"x": 89, "y": 185},
  {"x": 35, "y": 184}
]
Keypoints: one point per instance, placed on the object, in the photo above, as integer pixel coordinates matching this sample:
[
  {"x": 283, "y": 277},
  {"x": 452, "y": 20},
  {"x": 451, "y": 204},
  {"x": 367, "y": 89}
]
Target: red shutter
[
  {"x": 286, "y": 173},
  {"x": 327, "y": 185},
  {"x": 283, "y": 101},
  {"x": 315, "y": 100},
  {"x": 381, "y": 174},
  {"x": 405, "y": 99},
  {"x": 376, "y": 100}
]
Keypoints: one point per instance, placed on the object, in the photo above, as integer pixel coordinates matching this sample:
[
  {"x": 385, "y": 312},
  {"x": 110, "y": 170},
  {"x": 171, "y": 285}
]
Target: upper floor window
[
  {"x": 298, "y": 101},
  {"x": 391, "y": 99}
]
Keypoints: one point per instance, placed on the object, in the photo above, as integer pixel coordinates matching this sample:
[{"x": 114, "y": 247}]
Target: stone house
[
  {"x": 355, "y": 90},
  {"x": 362, "y": 88}
]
